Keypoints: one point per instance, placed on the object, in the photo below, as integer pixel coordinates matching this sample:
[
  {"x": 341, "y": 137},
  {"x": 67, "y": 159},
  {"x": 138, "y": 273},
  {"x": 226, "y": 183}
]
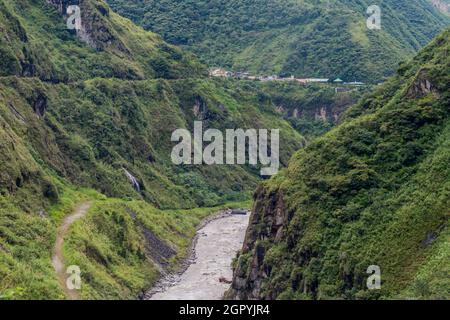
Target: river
[{"x": 217, "y": 245}]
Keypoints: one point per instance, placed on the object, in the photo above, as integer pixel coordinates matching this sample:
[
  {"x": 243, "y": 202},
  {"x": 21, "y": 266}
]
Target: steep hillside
[
  {"x": 87, "y": 116},
  {"x": 92, "y": 131},
  {"x": 88, "y": 106},
  {"x": 373, "y": 191},
  {"x": 308, "y": 38},
  {"x": 35, "y": 42}
]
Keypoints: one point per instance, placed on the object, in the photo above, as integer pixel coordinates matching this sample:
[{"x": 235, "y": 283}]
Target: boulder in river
[{"x": 239, "y": 212}]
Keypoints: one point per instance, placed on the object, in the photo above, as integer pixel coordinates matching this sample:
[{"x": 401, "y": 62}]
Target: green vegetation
[
  {"x": 308, "y": 38},
  {"x": 25, "y": 251},
  {"x": 373, "y": 191},
  {"x": 92, "y": 130},
  {"x": 441, "y": 5}
]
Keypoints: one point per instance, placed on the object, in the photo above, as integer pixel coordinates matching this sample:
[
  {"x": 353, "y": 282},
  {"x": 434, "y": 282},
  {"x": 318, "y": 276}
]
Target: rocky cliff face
[
  {"x": 267, "y": 224},
  {"x": 95, "y": 29}
]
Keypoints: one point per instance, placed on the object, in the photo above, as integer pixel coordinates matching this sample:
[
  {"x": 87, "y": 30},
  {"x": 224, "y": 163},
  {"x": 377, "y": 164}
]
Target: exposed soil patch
[{"x": 157, "y": 249}]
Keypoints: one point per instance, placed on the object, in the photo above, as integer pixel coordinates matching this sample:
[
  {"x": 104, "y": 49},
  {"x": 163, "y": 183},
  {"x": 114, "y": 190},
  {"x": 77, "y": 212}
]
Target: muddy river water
[{"x": 215, "y": 249}]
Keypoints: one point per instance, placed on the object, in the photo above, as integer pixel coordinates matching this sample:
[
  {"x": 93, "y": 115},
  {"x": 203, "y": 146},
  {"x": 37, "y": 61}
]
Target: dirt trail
[
  {"x": 57, "y": 257},
  {"x": 216, "y": 246}
]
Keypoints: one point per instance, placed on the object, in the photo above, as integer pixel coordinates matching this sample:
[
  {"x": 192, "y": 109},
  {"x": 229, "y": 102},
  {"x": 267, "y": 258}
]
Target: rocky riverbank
[{"x": 206, "y": 274}]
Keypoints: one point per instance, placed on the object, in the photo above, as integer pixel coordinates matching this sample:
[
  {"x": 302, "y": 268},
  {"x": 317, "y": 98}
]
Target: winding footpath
[
  {"x": 57, "y": 257},
  {"x": 207, "y": 278}
]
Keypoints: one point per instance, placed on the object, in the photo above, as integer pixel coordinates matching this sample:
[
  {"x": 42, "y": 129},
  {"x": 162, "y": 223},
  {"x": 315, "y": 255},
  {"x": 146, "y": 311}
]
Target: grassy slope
[
  {"x": 136, "y": 124},
  {"x": 373, "y": 191},
  {"x": 307, "y": 38},
  {"x": 312, "y": 110}
]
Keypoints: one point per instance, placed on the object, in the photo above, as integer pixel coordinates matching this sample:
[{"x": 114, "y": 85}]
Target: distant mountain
[
  {"x": 308, "y": 38},
  {"x": 370, "y": 196}
]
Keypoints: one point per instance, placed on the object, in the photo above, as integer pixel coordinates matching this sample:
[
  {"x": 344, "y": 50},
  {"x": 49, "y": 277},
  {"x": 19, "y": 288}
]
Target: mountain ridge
[{"x": 326, "y": 39}]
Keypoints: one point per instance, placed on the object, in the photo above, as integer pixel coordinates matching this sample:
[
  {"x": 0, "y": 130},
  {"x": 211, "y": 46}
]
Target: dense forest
[{"x": 308, "y": 38}]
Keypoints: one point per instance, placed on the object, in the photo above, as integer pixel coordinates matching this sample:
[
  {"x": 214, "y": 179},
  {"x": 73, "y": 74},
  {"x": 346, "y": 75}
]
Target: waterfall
[{"x": 133, "y": 180}]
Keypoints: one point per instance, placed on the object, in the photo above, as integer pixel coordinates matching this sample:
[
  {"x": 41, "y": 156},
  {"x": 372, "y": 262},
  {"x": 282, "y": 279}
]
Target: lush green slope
[
  {"x": 308, "y": 38},
  {"x": 35, "y": 41},
  {"x": 373, "y": 191},
  {"x": 88, "y": 132},
  {"x": 78, "y": 109},
  {"x": 120, "y": 246}
]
